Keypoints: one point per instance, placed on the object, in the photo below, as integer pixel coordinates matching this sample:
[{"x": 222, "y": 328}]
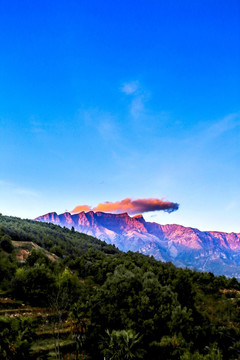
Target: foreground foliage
[{"x": 96, "y": 301}]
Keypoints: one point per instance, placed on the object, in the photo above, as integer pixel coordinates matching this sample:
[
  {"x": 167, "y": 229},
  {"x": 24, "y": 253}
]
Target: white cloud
[
  {"x": 138, "y": 99},
  {"x": 139, "y": 96},
  {"x": 130, "y": 88}
]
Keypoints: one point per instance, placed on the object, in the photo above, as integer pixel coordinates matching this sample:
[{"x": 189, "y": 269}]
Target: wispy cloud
[
  {"x": 136, "y": 117},
  {"x": 107, "y": 128},
  {"x": 205, "y": 133},
  {"x": 232, "y": 205},
  {"x": 130, "y": 206},
  {"x": 26, "y": 192},
  {"x": 227, "y": 123},
  {"x": 37, "y": 126},
  {"x": 138, "y": 98},
  {"x": 130, "y": 87},
  {"x": 137, "y": 107},
  {"x": 16, "y": 189},
  {"x": 104, "y": 123}
]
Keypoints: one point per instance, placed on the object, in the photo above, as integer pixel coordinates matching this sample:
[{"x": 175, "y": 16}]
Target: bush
[{"x": 6, "y": 244}]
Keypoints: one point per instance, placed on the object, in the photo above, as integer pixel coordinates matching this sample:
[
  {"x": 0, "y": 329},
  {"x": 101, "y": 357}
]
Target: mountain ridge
[{"x": 218, "y": 252}]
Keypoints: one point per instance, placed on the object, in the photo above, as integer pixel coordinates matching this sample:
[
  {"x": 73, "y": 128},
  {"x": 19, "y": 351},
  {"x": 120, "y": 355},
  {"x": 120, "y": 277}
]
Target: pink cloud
[{"x": 130, "y": 206}]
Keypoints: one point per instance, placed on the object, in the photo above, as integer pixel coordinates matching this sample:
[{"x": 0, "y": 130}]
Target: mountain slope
[
  {"x": 54, "y": 239},
  {"x": 213, "y": 251},
  {"x": 94, "y": 286}
]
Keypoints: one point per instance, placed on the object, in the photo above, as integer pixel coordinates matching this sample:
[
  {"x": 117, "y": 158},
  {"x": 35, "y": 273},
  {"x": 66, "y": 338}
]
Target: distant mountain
[{"x": 213, "y": 251}]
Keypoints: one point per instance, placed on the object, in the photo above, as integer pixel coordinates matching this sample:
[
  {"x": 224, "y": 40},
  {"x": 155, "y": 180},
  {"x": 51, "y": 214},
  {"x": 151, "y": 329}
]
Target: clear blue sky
[{"x": 103, "y": 100}]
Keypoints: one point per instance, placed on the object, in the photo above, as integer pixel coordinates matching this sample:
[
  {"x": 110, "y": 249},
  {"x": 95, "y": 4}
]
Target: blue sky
[{"x": 100, "y": 101}]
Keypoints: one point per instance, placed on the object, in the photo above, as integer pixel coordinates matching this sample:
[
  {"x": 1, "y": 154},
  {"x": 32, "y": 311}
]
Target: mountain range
[{"x": 213, "y": 251}]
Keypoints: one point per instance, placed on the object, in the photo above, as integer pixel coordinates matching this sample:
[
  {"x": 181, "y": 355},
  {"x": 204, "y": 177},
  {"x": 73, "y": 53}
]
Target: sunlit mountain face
[{"x": 213, "y": 251}]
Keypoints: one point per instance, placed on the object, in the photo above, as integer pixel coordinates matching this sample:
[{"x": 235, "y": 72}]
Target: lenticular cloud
[{"x": 130, "y": 206}]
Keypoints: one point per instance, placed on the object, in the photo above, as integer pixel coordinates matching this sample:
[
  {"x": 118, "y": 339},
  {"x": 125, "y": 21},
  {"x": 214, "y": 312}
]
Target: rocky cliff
[{"x": 213, "y": 251}]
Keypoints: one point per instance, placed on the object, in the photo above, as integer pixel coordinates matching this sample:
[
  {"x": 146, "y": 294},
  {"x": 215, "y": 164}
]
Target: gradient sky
[{"x": 107, "y": 100}]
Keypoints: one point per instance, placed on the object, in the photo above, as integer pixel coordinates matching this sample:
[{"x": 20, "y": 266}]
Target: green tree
[
  {"x": 79, "y": 326},
  {"x": 213, "y": 354},
  {"x": 8, "y": 268},
  {"x": 65, "y": 292},
  {"x": 16, "y": 336},
  {"x": 34, "y": 284},
  {"x": 182, "y": 285},
  {"x": 6, "y": 243},
  {"x": 121, "y": 345},
  {"x": 169, "y": 347}
]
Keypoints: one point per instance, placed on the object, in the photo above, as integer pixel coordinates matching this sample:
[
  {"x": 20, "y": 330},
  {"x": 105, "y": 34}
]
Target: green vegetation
[{"x": 76, "y": 297}]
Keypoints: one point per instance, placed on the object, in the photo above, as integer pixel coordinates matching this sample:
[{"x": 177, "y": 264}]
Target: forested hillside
[{"x": 76, "y": 297}]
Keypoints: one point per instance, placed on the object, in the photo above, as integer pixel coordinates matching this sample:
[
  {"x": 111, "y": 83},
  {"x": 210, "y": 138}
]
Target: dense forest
[{"x": 92, "y": 301}]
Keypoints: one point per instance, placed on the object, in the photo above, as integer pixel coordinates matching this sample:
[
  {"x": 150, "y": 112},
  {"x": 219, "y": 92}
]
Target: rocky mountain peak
[
  {"x": 185, "y": 246},
  {"x": 139, "y": 217}
]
